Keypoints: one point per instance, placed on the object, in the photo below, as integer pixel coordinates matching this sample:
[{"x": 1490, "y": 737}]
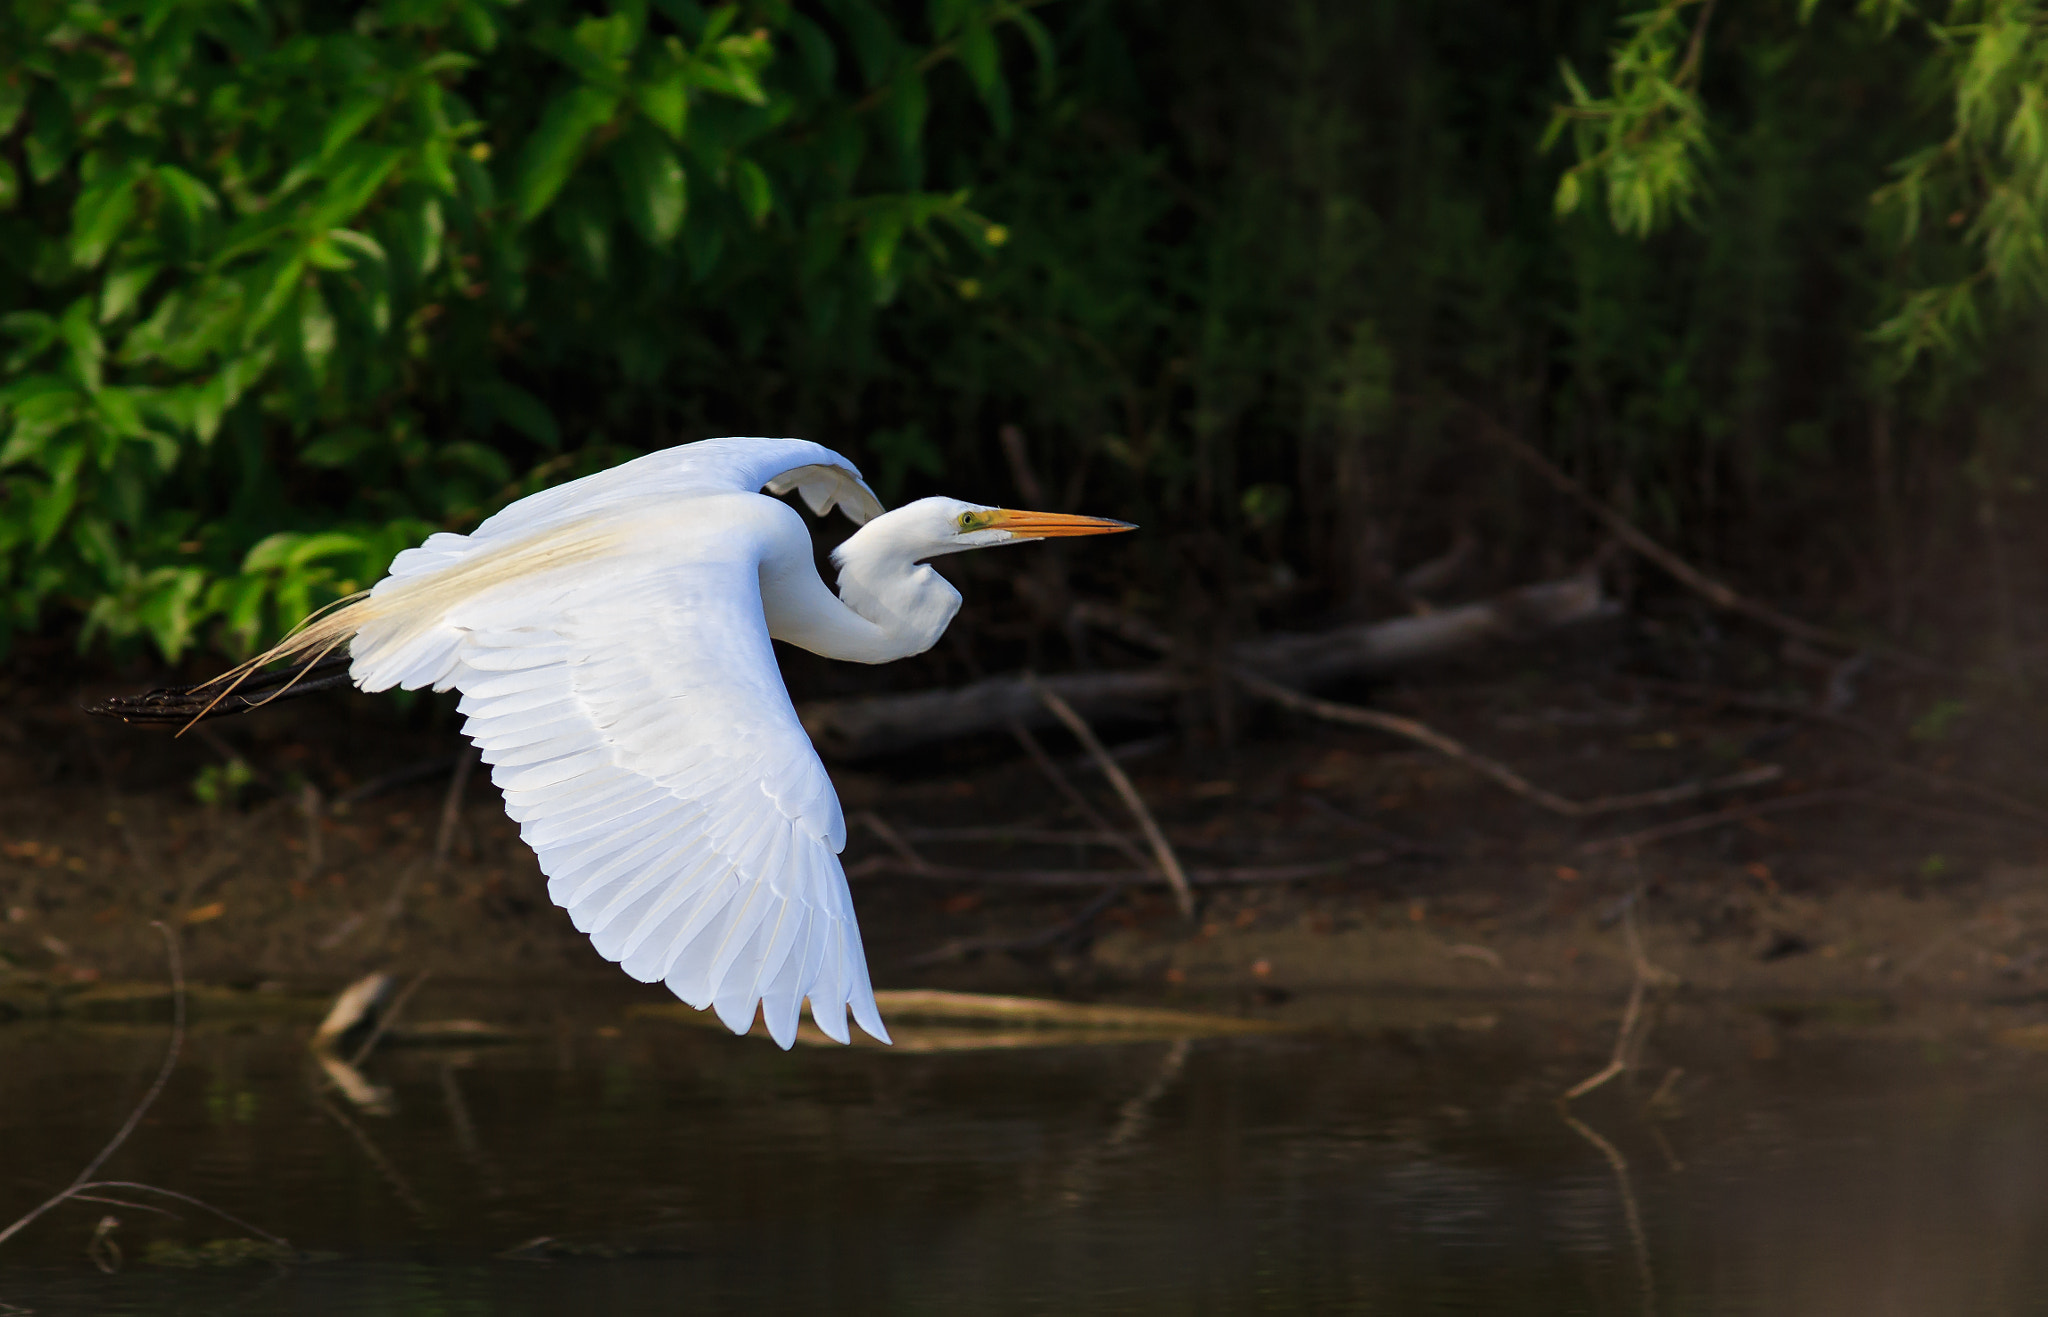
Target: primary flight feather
[{"x": 610, "y": 638}]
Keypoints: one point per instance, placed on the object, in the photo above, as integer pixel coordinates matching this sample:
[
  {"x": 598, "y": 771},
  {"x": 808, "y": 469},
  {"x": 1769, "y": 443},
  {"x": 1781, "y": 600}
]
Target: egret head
[
  {"x": 884, "y": 567},
  {"x": 946, "y": 525}
]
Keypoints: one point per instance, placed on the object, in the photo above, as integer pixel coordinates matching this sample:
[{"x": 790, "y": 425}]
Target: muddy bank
[{"x": 298, "y": 848}]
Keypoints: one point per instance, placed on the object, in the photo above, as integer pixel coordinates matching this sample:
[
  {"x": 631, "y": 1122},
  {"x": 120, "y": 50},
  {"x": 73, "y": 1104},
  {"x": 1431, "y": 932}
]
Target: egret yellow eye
[{"x": 967, "y": 521}]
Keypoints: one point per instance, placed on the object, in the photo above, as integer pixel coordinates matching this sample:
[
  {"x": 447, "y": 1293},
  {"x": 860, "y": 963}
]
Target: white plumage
[{"x": 611, "y": 640}]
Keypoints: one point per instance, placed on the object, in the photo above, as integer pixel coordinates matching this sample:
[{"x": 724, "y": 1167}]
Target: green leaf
[
  {"x": 124, "y": 288},
  {"x": 1041, "y": 46},
  {"x": 814, "y": 48},
  {"x": 350, "y": 119},
  {"x": 357, "y": 174},
  {"x": 550, "y": 155},
  {"x": 10, "y": 185},
  {"x": 978, "y": 56},
  {"x": 362, "y": 244},
  {"x": 80, "y": 335},
  {"x": 415, "y": 226},
  {"x": 167, "y": 611},
  {"x": 50, "y": 140},
  {"x": 945, "y": 16},
  {"x": 522, "y": 411},
  {"x": 119, "y": 412},
  {"x": 652, "y": 184},
  {"x": 875, "y": 43},
  {"x": 878, "y": 244},
  {"x": 189, "y": 202},
  {"x": 756, "y": 194},
  {"x": 317, "y": 334},
  {"x": 13, "y": 99},
  {"x": 38, "y": 417},
  {"x": 35, "y": 331},
  {"x": 278, "y": 282},
  {"x": 47, "y": 511},
  {"x": 665, "y": 100},
  {"x": 291, "y": 550},
  {"x": 340, "y": 450},
  {"x": 904, "y": 113},
  {"x": 1567, "y": 199},
  {"x": 323, "y": 253},
  {"x": 308, "y": 548},
  {"x": 102, "y": 211}
]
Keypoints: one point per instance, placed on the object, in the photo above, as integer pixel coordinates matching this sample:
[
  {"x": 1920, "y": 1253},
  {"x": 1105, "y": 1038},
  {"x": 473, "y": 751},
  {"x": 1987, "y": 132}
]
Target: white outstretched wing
[
  {"x": 651, "y": 757},
  {"x": 823, "y": 479},
  {"x": 710, "y": 466},
  {"x": 633, "y": 715}
]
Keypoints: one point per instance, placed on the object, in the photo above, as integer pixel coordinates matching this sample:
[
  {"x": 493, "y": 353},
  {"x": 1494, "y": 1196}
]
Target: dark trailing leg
[{"x": 189, "y": 704}]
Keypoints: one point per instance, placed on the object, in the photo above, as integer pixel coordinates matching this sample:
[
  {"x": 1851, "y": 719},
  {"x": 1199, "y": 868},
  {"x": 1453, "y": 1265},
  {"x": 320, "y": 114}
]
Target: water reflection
[{"x": 659, "y": 1169}]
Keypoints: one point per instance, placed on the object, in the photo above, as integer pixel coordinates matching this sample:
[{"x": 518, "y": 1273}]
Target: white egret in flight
[{"x": 610, "y": 640}]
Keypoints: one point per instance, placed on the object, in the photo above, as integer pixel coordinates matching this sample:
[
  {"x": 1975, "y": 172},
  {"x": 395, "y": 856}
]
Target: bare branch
[{"x": 1162, "y": 850}]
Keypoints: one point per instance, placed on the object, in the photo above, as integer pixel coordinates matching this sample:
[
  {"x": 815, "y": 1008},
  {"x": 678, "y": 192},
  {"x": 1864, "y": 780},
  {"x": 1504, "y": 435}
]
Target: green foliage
[
  {"x": 1645, "y": 140},
  {"x": 1970, "y": 214},
  {"x": 222, "y": 784},
  {"x": 287, "y": 286},
  {"x": 1966, "y": 216},
  {"x": 284, "y": 288}
]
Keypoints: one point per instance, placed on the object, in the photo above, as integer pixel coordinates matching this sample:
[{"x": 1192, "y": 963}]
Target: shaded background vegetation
[{"x": 287, "y": 286}]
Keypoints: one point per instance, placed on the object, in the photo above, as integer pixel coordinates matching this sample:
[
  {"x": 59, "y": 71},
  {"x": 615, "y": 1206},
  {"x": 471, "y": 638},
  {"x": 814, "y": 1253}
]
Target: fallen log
[{"x": 878, "y": 724}]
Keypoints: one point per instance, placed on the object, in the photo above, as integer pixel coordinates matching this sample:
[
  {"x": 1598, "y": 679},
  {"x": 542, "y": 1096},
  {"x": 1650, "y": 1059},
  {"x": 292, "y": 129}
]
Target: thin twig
[
  {"x": 1012, "y": 439},
  {"x": 1023, "y": 835},
  {"x": 1625, "y": 1037},
  {"x": 314, "y": 808},
  {"x": 1742, "y": 780},
  {"x": 131, "y": 1186},
  {"x": 1761, "y": 703},
  {"x": 1422, "y": 734},
  {"x": 893, "y": 839},
  {"x": 163, "y": 1076},
  {"x": 451, "y": 807},
  {"x": 411, "y": 773},
  {"x": 1250, "y": 876},
  {"x": 1631, "y": 841},
  {"x": 84, "y": 1185},
  {"x": 1715, "y": 592},
  {"x": 1072, "y": 793},
  {"x": 1990, "y": 795},
  {"x": 1618, "y": 1062},
  {"x": 1689, "y": 69},
  {"x": 1162, "y": 850},
  {"x": 1045, "y": 937}
]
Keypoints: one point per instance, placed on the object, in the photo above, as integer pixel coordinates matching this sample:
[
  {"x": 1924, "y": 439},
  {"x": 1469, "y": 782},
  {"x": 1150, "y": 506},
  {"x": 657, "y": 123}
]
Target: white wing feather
[
  {"x": 712, "y": 466},
  {"x": 635, "y": 720}
]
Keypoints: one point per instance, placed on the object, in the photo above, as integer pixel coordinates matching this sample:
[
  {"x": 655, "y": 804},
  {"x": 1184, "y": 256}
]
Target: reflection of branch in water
[
  {"x": 1660, "y": 1106},
  {"x": 87, "y": 1188},
  {"x": 465, "y": 1133},
  {"x": 378, "y": 1160},
  {"x": 1631, "y": 1212},
  {"x": 1132, "y": 1119},
  {"x": 354, "y": 1085}
]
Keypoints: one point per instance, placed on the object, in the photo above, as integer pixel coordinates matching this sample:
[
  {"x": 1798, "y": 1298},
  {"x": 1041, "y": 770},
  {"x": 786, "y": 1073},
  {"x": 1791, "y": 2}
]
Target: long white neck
[{"x": 889, "y": 605}]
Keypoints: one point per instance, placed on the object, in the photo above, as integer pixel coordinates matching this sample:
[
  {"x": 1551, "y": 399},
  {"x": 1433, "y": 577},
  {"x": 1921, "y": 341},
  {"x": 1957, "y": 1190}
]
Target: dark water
[{"x": 1399, "y": 1171}]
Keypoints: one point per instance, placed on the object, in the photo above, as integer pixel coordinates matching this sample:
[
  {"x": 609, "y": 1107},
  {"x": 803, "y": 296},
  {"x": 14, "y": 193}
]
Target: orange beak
[{"x": 1052, "y": 525}]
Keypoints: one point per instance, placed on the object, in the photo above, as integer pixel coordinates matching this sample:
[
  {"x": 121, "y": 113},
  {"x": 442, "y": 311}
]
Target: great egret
[{"x": 610, "y": 640}]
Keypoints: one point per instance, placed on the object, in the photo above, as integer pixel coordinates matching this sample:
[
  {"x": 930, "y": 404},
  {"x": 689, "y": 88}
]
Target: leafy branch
[{"x": 1645, "y": 140}]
